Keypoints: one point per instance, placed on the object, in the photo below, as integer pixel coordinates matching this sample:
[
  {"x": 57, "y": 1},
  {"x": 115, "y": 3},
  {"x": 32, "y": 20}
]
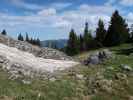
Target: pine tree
[
  {"x": 73, "y": 44},
  {"x": 81, "y": 40},
  {"x": 53, "y": 45},
  {"x": 118, "y": 31},
  {"x": 87, "y": 38},
  {"x": 20, "y": 37},
  {"x": 38, "y": 42},
  {"x": 27, "y": 37},
  {"x": 31, "y": 40},
  {"x": 34, "y": 41},
  {"x": 4, "y": 32},
  {"x": 100, "y": 32}
]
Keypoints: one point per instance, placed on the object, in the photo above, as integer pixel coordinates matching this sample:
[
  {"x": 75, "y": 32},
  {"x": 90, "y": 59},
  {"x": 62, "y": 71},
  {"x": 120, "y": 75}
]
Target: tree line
[
  {"x": 116, "y": 34},
  {"x": 33, "y": 41},
  {"x": 4, "y": 32},
  {"x": 29, "y": 40}
]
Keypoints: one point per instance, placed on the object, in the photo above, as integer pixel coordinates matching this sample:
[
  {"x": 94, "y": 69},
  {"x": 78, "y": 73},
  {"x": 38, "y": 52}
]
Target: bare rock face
[
  {"x": 20, "y": 64},
  {"x": 22, "y": 59},
  {"x": 47, "y": 53}
]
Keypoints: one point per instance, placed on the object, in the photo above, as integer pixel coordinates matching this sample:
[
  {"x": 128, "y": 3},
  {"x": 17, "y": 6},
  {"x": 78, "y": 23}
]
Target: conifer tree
[
  {"x": 87, "y": 38},
  {"x": 53, "y": 45},
  {"x": 118, "y": 31},
  {"x": 20, "y": 37},
  {"x": 73, "y": 44},
  {"x": 34, "y": 41},
  {"x": 38, "y": 42},
  {"x": 100, "y": 32},
  {"x": 31, "y": 40},
  {"x": 27, "y": 37},
  {"x": 81, "y": 40},
  {"x": 4, "y": 32}
]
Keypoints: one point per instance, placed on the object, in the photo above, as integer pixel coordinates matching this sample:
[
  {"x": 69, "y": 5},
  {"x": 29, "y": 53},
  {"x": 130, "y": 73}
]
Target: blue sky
[{"x": 53, "y": 19}]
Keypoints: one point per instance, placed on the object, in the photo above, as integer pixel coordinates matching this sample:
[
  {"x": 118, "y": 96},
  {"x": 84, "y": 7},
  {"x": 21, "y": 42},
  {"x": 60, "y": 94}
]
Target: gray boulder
[
  {"x": 126, "y": 67},
  {"x": 94, "y": 59},
  {"x": 98, "y": 57},
  {"x": 79, "y": 76},
  {"x": 26, "y": 82}
]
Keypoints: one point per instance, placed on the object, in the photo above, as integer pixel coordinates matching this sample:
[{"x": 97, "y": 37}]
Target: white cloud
[
  {"x": 130, "y": 18},
  {"x": 110, "y": 2},
  {"x": 90, "y": 14},
  {"x": 130, "y": 15},
  {"x": 47, "y": 12},
  {"x": 96, "y": 9},
  {"x": 63, "y": 23},
  {"x": 126, "y": 2},
  {"x": 50, "y": 19}
]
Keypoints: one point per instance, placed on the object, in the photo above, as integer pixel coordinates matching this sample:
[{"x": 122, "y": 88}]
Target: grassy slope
[
  {"x": 122, "y": 91},
  {"x": 68, "y": 87},
  {"x": 16, "y": 90}
]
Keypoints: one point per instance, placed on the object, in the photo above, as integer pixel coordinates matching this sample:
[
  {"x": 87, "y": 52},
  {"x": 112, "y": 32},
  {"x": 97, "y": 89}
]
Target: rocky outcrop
[
  {"x": 21, "y": 59},
  {"x": 20, "y": 64},
  {"x": 98, "y": 57},
  {"x": 47, "y": 53}
]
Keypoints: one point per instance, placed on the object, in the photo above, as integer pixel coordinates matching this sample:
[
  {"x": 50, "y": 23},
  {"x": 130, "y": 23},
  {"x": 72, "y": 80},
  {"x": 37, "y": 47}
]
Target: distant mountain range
[{"x": 61, "y": 43}]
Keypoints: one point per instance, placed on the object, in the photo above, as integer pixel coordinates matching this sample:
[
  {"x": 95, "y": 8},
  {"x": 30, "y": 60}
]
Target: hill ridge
[{"x": 47, "y": 53}]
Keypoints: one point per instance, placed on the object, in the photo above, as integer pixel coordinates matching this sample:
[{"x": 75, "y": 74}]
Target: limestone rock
[
  {"x": 53, "y": 79},
  {"x": 47, "y": 53},
  {"x": 121, "y": 76},
  {"x": 26, "y": 82},
  {"x": 20, "y": 64},
  {"x": 126, "y": 67},
  {"x": 79, "y": 76}
]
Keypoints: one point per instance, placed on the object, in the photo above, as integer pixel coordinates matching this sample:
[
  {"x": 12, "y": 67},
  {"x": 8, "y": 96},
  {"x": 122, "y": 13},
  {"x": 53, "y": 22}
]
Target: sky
[{"x": 53, "y": 19}]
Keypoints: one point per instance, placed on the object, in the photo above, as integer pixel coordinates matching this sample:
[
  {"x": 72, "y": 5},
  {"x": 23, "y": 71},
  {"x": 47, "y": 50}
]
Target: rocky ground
[{"x": 20, "y": 63}]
